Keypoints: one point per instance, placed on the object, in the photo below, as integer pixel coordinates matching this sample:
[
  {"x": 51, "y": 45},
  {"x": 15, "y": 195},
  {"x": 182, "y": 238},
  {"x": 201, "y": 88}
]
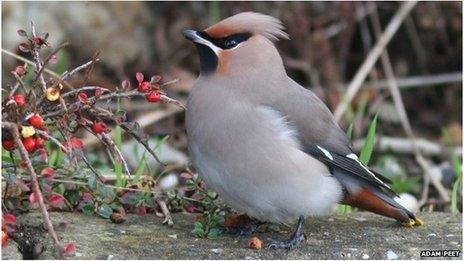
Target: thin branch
[
  {"x": 373, "y": 56},
  {"x": 85, "y": 88},
  {"x": 143, "y": 142},
  {"x": 13, "y": 128},
  {"x": 398, "y": 101},
  {"x": 164, "y": 209},
  {"x": 22, "y": 59},
  {"x": 50, "y": 72},
  {"x": 38, "y": 63},
  {"x": 421, "y": 81},
  {"x": 107, "y": 140},
  {"x": 48, "y": 60},
  {"x": 66, "y": 74},
  {"x": 405, "y": 146},
  {"x": 52, "y": 139}
]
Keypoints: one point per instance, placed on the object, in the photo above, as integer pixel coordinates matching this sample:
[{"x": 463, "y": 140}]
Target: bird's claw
[{"x": 288, "y": 244}]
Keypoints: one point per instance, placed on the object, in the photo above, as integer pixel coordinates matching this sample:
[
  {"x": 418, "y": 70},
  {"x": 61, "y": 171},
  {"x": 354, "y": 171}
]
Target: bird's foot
[
  {"x": 241, "y": 226},
  {"x": 290, "y": 244},
  {"x": 294, "y": 241}
]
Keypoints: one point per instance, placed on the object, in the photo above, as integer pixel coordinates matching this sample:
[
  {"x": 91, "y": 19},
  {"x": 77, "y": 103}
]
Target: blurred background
[{"x": 329, "y": 41}]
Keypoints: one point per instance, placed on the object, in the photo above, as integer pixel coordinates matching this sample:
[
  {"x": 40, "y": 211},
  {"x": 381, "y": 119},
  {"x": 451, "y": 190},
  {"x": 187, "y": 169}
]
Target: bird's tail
[{"x": 380, "y": 202}]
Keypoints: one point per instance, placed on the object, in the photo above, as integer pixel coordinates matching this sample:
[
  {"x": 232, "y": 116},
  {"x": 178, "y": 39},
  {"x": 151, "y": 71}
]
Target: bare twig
[
  {"x": 119, "y": 157},
  {"x": 114, "y": 95},
  {"x": 38, "y": 62},
  {"x": 164, "y": 209},
  {"x": 13, "y": 128},
  {"x": 22, "y": 59},
  {"x": 143, "y": 142},
  {"x": 421, "y": 81},
  {"x": 416, "y": 43},
  {"x": 398, "y": 101},
  {"x": 67, "y": 74},
  {"x": 405, "y": 146},
  {"x": 373, "y": 56},
  {"x": 52, "y": 139},
  {"x": 47, "y": 60},
  {"x": 85, "y": 88}
]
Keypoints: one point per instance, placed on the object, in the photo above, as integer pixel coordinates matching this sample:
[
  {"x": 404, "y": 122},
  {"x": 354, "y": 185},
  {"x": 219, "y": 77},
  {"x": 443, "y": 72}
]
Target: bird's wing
[{"x": 322, "y": 138}]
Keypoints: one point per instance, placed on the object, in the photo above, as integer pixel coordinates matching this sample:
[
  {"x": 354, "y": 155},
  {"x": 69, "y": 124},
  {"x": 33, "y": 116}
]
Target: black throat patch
[{"x": 208, "y": 59}]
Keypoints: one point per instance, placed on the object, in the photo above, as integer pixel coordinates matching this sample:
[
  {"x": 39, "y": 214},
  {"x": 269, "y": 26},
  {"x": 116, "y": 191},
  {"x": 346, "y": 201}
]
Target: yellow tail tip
[
  {"x": 409, "y": 224},
  {"x": 418, "y": 222}
]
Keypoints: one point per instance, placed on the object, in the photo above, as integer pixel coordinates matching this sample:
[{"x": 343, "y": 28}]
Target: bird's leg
[
  {"x": 244, "y": 227},
  {"x": 294, "y": 241}
]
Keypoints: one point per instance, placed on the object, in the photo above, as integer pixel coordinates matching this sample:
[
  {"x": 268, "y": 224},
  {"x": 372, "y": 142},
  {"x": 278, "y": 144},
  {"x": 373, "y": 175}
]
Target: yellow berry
[
  {"x": 27, "y": 131},
  {"x": 52, "y": 94}
]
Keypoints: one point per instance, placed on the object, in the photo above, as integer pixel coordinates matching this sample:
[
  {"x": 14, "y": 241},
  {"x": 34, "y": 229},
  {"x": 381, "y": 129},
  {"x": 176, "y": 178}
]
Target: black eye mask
[{"x": 226, "y": 42}]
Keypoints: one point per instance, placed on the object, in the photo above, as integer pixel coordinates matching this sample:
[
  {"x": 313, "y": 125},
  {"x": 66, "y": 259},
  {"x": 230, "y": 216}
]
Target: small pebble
[
  {"x": 110, "y": 257},
  {"x": 432, "y": 235},
  {"x": 365, "y": 256},
  {"x": 217, "y": 250},
  {"x": 173, "y": 236},
  {"x": 77, "y": 254},
  {"x": 391, "y": 255}
]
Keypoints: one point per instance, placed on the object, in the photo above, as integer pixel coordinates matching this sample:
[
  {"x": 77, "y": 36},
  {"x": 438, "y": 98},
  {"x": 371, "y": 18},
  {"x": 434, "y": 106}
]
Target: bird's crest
[{"x": 251, "y": 22}]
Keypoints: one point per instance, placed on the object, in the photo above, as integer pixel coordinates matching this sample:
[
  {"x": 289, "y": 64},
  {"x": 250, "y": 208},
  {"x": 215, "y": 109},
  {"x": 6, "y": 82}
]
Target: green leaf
[
  {"x": 457, "y": 167},
  {"x": 349, "y": 132},
  {"x": 213, "y": 233},
  {"x": 72, "y": 196},
  {"x": 140, "y": 170},
  {"x": 89, "y": 208},
  {"x": 369, "y": 143},
  {"x": 198, "y": 229},
  {"x": 105, "y": 211},
  {"x": 119, "y": 176}
]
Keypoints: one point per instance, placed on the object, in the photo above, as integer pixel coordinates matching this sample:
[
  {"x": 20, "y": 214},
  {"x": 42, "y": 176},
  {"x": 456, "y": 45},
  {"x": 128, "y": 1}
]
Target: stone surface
[{"x": 357, "y": 235}]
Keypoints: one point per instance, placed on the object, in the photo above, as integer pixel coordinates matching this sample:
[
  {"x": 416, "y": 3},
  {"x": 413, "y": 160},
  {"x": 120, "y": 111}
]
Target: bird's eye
[{"x": 230, "y": 43}]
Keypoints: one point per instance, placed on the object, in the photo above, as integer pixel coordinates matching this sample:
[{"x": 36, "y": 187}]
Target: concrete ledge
[{"x": 358, "y": 235}]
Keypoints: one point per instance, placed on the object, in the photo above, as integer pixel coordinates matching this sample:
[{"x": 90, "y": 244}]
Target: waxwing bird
[{"x": 268, "y": 146}]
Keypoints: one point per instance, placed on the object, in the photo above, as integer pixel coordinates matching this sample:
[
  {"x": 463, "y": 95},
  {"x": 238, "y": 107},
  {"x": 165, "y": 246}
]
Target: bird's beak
[
  {"x": 192, "y": 36},
  {"x": 196, "y": 38}
]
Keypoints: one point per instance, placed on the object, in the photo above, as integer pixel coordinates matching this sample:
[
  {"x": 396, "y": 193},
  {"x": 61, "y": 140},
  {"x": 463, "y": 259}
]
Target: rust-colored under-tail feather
[{"x": 367, "y": 200}]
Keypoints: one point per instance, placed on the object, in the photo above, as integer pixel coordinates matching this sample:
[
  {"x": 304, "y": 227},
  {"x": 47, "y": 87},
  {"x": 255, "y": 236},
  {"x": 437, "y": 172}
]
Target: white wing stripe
[
  {"x": 326, "y": 152},
  {"x": 354, "y": 157}
]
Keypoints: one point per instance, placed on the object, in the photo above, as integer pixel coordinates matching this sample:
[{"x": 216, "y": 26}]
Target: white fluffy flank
[{"x": 285, "y": 129}]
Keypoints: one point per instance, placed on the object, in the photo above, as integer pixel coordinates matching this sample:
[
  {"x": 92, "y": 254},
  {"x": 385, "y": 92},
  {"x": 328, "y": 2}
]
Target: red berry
[
  {"x": 153, "y": 97},
  {"x": 190, "y": 208},
  {"x": 19, "y": 99},
  {"x": 29, "y": 144},
  {"x": 82, "y": 96},
  {"x": 144, "y": 87},
  {"x": 99, "y": 127},
  {"x": 8, "y": 144},
  {"x": 36, "y": 121},
  {"x": 4, "y": 238},
  {"x": 39, "y": 143}
]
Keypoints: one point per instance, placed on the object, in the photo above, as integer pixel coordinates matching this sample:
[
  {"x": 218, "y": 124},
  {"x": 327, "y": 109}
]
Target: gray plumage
[{"x": 267, "y": 145}]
